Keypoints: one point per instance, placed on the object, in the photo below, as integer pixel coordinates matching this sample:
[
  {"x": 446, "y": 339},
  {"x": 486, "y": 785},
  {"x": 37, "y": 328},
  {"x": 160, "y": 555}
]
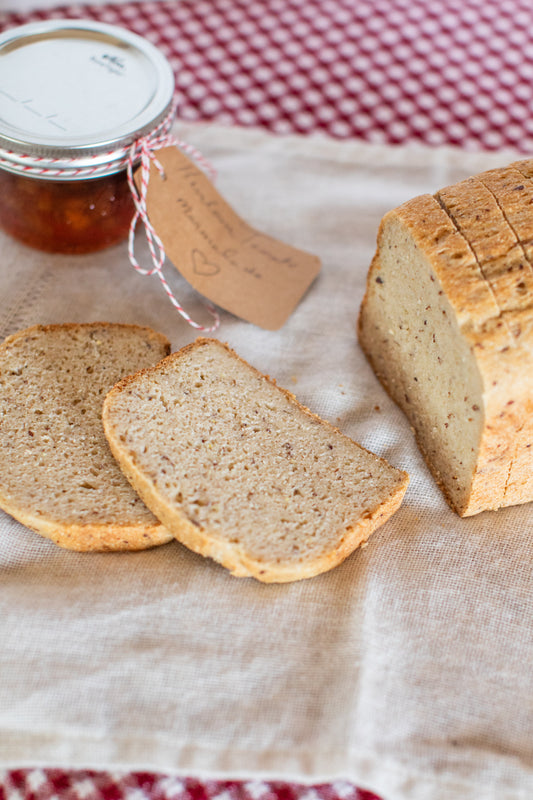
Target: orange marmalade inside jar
[
  {"x": 66, "y": 216},
  {"x": 65, "y": 144}
]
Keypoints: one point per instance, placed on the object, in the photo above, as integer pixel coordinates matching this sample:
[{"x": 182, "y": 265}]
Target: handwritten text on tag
[{"x": 244, "y": 271}]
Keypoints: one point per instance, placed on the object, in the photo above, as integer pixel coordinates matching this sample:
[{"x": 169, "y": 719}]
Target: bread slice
[
  {"x": 447, "y": 325},
  {"x": 57, "y": 474},
  {"x": 239, "y": 471}
]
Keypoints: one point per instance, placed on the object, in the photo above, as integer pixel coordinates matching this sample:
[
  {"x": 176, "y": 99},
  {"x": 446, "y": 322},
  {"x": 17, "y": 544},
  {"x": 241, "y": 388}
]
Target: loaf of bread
[
  {"x": 239, "y": 471},
  {"x": 57, "y": 474},
  {"x": 447, "y": 325}
]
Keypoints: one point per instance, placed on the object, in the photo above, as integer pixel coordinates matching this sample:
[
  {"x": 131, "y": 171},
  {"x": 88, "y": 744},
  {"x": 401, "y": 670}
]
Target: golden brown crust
[
  {"x": 148, "y": 333},
  {"x": 452, "y": 257},
  {"x": 524, "y": 167},
  {"x": 91, "y": 538},
  {"x": 498, "y": 220},
  {"x": 478, "y": 216}
]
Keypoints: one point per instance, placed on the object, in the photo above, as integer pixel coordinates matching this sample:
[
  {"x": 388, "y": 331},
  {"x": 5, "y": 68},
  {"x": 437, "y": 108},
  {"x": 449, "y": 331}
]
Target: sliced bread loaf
[
  {"x": 239, "y": 471},
  {"x": 57, "y": 474},
  {"x": 447, "y": 325}
]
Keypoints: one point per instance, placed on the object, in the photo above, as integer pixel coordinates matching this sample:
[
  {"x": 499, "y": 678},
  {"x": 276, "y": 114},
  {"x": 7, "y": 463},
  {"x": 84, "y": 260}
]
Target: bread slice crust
[
  {"x": 57, "y": 474},
  {"x": 239, "y": 470}
]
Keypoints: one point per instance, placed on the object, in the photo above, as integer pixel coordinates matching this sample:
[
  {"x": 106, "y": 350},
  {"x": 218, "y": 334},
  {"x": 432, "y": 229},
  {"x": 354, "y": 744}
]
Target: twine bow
[{"x": 144, "y": 151}]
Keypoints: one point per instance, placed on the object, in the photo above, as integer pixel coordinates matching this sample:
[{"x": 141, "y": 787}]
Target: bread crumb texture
[
  {"x": 57, "y": 474},
  {"x": 447, "y": 325},
  {"x": 239, "y": 471}
]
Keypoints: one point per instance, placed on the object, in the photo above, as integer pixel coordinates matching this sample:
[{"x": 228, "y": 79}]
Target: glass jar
[
  {"x": 75, "y": 216},
  {"x": 76, "y": 99}
]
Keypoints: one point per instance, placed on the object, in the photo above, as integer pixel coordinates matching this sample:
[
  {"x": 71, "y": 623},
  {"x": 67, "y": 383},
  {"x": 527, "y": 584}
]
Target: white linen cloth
[{"x": 407, "y": 670}]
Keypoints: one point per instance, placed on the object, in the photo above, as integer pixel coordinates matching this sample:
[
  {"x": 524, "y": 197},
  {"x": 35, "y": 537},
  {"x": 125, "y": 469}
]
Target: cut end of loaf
[
  {"x": 240, "y": 472},
  {"x": 447, "y": 325},
  {"x": 408, "y": 331}
]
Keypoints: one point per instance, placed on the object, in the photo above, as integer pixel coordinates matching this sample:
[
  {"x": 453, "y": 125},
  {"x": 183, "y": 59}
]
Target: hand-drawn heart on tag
[
  {"x": 244, "y": 270},
  {"x": 202, "y": 266}
]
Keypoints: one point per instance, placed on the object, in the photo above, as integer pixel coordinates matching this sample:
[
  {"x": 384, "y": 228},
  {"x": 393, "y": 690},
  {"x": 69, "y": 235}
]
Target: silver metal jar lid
[{"x": 75, "y": 95}]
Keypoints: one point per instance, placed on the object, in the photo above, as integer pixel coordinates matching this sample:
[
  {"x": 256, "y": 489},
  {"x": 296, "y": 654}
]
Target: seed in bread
[
  {"x": 447, "y": 325},
  {"x": 57, "y": 474},
  {"x": 239, "y": 471}
]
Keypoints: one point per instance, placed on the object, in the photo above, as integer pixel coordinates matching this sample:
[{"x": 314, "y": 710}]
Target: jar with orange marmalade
[{"x": 75, "y": 98}]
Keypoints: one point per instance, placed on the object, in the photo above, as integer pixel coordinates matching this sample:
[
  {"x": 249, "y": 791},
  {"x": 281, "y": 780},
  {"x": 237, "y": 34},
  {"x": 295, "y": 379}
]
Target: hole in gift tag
[{"x": 244, "y": 271}]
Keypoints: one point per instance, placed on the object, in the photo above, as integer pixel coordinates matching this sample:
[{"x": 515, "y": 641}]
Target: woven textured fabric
[
  {"x": 435, "y": 72},
  {"x": 402, "y": 671}
]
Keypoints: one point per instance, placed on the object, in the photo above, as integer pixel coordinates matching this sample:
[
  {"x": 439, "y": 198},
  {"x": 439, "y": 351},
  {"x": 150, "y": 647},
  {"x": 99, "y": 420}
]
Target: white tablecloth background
[{"x": 406, "y": 670}]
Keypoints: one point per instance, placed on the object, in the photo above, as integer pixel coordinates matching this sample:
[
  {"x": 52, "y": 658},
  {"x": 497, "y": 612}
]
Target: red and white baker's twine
[{"x": 144, "y": 150}]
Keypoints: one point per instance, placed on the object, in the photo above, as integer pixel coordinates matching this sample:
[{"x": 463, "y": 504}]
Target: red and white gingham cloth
[
  {"x": 435, "y": 71},
  {"x": 456, "y": 72},
  {"x": 58, "y": 784}
]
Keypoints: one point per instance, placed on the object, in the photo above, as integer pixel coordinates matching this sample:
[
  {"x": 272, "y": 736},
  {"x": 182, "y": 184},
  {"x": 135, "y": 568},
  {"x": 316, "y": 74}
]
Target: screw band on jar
[
  {"x": 79, "y": 168},
  {"x": 66, "y": 169},
  {"x": 63, "y": 182}
]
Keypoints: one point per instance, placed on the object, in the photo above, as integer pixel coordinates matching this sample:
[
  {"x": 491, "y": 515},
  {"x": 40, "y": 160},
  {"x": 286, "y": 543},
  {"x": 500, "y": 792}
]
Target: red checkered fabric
[
  {"x": 56, "y": 784},
  {"x": 437, "y": 71}
]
